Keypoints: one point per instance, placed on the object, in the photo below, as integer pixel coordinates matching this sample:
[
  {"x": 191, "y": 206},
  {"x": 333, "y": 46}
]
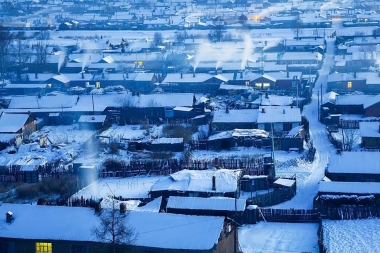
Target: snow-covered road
[{"x": 309, "y": 175}]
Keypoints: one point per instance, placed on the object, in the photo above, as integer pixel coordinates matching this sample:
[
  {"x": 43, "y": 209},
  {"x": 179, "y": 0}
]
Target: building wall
[
  {"x": 350, "y": 177},
  {"x": 369, "y": 142},
  {"x": 373, "y": 111}
]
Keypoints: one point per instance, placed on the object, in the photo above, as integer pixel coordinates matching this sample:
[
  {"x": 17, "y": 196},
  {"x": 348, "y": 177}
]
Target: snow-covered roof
[
  {"x": 247, "y": 115},
  {"x": 5, "y": 138},
  {"x": 165, "y": 140},
  {"x": 329, "y": 97},
  {"x": 92, "y": 118},
  {"x": 349, "y": 187},
  {"x": 12, "y": 123},
  {"x": 369, "y": 129},
  {"x": 239, "y": 133},
  {"x": 61, "y": 78},
  {"x": 158, "y": 230},
  {"x": 153, "y": 206},
  {"x": 196, "y": 203},
  {"x": 347, "y": 163},
  {"x": 199, "y": 181},
  {"x": 187, "y": 78},
  {"x": 46, "y": 102},
  {"x": 273, "y": 114},
  {"x": 285, "y": 182},
  {"x": 274, "y": 100}
]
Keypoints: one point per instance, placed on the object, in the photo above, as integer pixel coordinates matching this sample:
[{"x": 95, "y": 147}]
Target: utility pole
[{"x": 318, "y": 106}]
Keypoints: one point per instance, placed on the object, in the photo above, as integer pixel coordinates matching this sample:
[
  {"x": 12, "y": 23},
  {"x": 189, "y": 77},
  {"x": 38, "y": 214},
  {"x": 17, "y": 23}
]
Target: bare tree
[
  {"x": 21, "y": 54},
  {"x": 41, "y": 54},
  {"x": 114, "y": 230},
  {"x": 6, "y": 38},
  {"x": 216, "y": 34},
  {"x": 125, "y": 100},
  {"x": 350, "y": 137}
]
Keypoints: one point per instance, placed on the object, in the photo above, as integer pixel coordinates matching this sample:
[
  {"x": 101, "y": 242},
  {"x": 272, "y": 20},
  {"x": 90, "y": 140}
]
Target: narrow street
[{"x": 308, "y": 179}]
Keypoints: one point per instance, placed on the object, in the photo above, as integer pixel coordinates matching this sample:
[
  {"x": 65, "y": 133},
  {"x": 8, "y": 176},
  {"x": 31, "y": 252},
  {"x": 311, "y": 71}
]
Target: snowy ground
[
  {"x": 346, "y": 236},
  {"x": 132, "y": 187},
  {"x": 279, "y": 237}
]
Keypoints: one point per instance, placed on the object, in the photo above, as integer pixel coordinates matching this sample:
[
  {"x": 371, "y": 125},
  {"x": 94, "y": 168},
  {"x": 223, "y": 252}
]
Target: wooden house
[
  {"x": 370, "y": 135},
  {"x": 227, "y": 119},
  {"x": 93, "y": 122},
  {"x": 345, "y": 168},
  {"x": 280, "y": 119},
  {"x": 58, "y": 82},
  {"x": 173, "y": 233},
  {"x": 200, "y": 183},
  {"x": 191, "y": 82},
  {"x": 167, "y": 144},
  {"x": 207, "y": 206},
  {"x": 372, "y": 106},
  {"x": 26, "y": 88},
  {"x": 17, "y": 123},
  {"x": 345, "y": 82}
]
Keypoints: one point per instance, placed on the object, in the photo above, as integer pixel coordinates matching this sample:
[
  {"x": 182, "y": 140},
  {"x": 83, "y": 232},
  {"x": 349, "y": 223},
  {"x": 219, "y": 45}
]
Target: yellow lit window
[
  {"x": 97, "y": 84},
  {"x": 246, "y": 83},
  {"x": 44, "y": 247},
  {"x": 349, "y": 85},
  {"x": 49, "y": 85}
]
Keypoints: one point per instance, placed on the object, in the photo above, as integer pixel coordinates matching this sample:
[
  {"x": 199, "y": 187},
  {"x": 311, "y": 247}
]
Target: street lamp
[{"x": 295, "y": 85}]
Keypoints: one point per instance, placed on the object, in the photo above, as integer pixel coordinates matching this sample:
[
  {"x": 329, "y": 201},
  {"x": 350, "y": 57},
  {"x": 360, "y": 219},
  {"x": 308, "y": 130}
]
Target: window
[
  {"x": 349, "y": 85},
  {"x": 287, "y": 126},
  {"x": 78, "y": 248},
  {"x": 87, "y": 83},
  {"x": 97, "y": 85},
  {"x": 49, "y": 85},
  {"x": 44, "y": 247}
]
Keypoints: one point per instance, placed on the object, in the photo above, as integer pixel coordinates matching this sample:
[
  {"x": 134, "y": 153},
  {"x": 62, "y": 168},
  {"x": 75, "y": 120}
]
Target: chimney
[
  {"x": 287, "y": 74},
  {"x": 36, "y": 75},
  {"x": 194, "y": 74},
  {"x": 82, "y": 75},
  {"x": 9, "y": 217},
  {"x": 213, "y": 183},
  {"x": 123, "y": 208},
  {"x": 216, "y": 161},
  {"x": 379, "y": 128},
  {"x": 283, "y": 111},
  {"x": 241, "y": 74},
  {"x": 354, "y": 74},
  {"x": 262, "y": 110},
  {"x": 227, "y": 109},
  {"x": 181, "y": 75},
  {"x": 127, "y": 75},
  {"x": 103, "y": 75},
  {"x": 98, "y": 208}
]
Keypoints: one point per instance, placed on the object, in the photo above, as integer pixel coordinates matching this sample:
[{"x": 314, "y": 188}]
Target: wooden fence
[
  {"x": 280, "y": 215},
  {"x": 349, "y": 212}
]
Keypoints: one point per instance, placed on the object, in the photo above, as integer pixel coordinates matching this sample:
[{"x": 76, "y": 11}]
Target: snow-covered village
[{"x": 229, "y": 126}]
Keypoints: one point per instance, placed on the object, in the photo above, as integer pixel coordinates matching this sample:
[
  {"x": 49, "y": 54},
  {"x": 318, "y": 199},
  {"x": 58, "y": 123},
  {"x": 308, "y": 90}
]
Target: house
[
  {"x": 34, "y": 227},
  {"x": 94, "y": 122},
  {"x": 349, "y": 188},
  {"x": 280, "y": 118},
  {"x": 224, "y": 120},
  {"x": 191, "y": 82},
  {"x": 26, "y": 88},
  {"x": 370, "y": 134},
  {"x": 239, "y": 137},
  {"x": 345, "y": 82},
  {"x": 372, "y": 106},
  {"x": 17, "y": 123},
  {"x": 344, "y": 167},
  {"x": 197, "y": 183},
  {"x": 220, "y": 206},
  {"x": 167, "y": 144},
  {"x": 58, "y": 82}
]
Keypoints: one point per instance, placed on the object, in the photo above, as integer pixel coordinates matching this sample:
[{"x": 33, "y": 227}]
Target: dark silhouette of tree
[
  {"x": 216, "y": 34},
  {"x": 157, "y": 39},
  {"x": 243, "y": 19},
  {"x": 6, "y": 39},
  {"x": 114, "y": 230}
]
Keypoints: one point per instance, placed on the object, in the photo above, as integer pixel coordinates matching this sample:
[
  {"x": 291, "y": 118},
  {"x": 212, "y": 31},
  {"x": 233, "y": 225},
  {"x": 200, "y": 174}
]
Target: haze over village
[{"x": 226, "y": 126}]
